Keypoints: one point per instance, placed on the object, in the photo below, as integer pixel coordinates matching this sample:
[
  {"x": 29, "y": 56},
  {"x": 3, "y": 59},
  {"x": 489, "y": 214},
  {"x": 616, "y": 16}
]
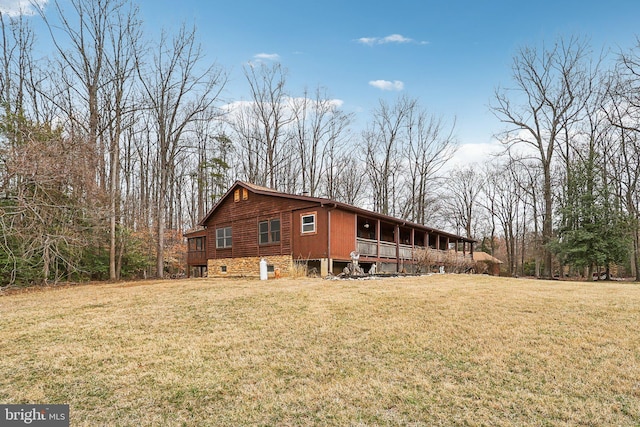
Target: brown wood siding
[
  {"x": 343, "y": 234},
  {"x": 284, "y": 246},
  {"x": 243, "y": 217},
  {"x": 312, "y": 245},
  {"x": 214, "y": 252},
  {"x": 196, "y": 258},
  {"x": 245, "y": 237}
]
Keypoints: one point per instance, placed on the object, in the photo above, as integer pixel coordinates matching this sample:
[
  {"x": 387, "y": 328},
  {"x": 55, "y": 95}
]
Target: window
[
  {"x": 236, "y": 195},
  {"x": 223, "y": 269},
  {"x": 274, "y": 226},
  {"x": 223, "y": 237},
  {"x": 245, "y": 194},
  {"x": 269, "y": 231},
  {"x": 263, "y": 232},
  {"x": 196, "y": 244},
  {"x": 308, "y": 223}
]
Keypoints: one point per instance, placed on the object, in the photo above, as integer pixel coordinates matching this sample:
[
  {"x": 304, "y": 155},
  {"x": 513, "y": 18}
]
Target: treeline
[{"x": 116, "y": 143}]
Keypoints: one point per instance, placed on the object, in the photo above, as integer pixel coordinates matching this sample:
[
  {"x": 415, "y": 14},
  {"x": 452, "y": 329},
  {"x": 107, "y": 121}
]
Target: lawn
[{"x": 436, "y": 350}]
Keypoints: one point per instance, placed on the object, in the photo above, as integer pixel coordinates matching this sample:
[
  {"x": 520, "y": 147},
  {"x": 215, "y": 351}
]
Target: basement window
[{"x": 223, "y": 269}]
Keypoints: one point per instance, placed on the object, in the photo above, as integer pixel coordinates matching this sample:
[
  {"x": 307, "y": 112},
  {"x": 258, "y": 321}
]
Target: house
[{"x": 251, "y": 222}]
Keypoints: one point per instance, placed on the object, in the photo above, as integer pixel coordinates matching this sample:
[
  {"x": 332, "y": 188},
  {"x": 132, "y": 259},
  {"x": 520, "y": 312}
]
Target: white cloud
[
  {"x": 20, "y": 7},
  {"x": 267, "y": 56},
  {"x": 396, "y": 38},
  {"x": 479, "y": 153},
  {"x": 392, "y": 38},
  {"x": 235, "y": 109},
  {"x": 396, "y": 85},
  {"x": 333, "y": 103},
  {"x": 368, "y": 40}
]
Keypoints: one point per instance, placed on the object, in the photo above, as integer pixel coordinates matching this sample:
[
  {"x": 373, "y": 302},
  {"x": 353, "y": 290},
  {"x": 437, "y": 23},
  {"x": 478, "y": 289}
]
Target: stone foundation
[{"x": 249, "y": 266}]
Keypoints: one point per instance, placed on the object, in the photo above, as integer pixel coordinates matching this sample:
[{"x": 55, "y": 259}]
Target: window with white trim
[
  {"x": 308, "y": 223},
  {"x": 223, "y": 237}
]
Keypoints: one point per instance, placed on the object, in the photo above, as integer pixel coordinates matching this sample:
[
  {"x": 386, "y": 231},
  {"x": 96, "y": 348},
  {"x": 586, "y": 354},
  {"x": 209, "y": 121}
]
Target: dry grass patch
[{"x": 437, "y": 350}]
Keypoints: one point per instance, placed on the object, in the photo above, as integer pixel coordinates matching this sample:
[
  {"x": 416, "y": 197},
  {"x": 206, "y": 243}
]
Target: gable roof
[
  {"x": 485, "y": 257},
  {"x": 257, "y": 189}
]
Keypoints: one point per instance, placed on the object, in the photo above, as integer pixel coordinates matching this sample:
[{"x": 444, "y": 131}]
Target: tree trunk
[{"x": 547, "y": 225}]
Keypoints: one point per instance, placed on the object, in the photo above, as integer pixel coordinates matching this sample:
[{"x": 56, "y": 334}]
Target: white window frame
[{"x": 312, "y": 224}]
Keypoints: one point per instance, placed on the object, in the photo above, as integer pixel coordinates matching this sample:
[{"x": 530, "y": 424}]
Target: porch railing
[
  {"x": 406, "y": 252},
  {"x": 387, "y": 250},
  {"x": 369, "y": 247},
  {"x": 196, "y": 256}
]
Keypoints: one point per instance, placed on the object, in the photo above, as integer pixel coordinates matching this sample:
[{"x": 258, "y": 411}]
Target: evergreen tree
[{"x": 594, "y": 232}]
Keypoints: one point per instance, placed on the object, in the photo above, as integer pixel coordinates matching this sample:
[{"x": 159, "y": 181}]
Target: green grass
[{"x": 437, "y": 350}]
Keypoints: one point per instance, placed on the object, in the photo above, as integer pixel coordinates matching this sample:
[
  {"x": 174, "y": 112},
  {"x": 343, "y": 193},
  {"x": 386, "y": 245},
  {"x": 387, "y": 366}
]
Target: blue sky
[{"x": 451, "y": 55}]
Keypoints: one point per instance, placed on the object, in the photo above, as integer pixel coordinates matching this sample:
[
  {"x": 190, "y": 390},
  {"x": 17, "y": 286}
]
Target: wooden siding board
[
  {"x": 243, "y": 216},
  {"x": 245, "y": 237},
  {"x": 311, "y": 245},
  {"x": 286, "y": 230},
  {"x": 343, "y": 234}
]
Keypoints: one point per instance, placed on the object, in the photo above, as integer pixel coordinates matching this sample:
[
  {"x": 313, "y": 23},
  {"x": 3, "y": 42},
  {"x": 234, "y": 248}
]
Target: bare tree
[
  {"x": 250, "y": 150},
  {"x": 350, "y": 183},
  {"x": 550, "y": 90},
  {"x": 503, "y": 201},
  {"x": 179, "y": 91},
  {"x": 17, "y": 66},
  {"x": 623, "y": 112},
  {"x": 461, "y": 192},
  {"x": 430, "y": 145},
  {"x": 528, "y": 177},
  {"x": 319, "y": 126},
  {"x": 123, "y": 33},
  {"x": 382, "y": 143},
  {"x": 95, "y": 43},
  {"x": 81, "y": 55},
  {"x": 210, "y": 169},
  {"x": 268, "y": 117}
]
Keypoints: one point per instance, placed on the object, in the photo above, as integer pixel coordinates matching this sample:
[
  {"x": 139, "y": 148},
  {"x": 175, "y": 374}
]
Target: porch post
[
  {"x": 397, "y": 239},
  {"x": 378, "y": 239}
]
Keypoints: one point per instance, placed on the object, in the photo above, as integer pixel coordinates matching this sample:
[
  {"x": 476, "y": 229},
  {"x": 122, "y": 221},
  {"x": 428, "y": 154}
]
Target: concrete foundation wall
[{"x": 248, "y": 266}]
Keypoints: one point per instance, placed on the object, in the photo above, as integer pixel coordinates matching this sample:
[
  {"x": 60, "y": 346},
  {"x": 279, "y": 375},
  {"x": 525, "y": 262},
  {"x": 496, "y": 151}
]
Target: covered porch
[
  {"x": 196, "y": 253},
  {"x": 397, "y": 245}
]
